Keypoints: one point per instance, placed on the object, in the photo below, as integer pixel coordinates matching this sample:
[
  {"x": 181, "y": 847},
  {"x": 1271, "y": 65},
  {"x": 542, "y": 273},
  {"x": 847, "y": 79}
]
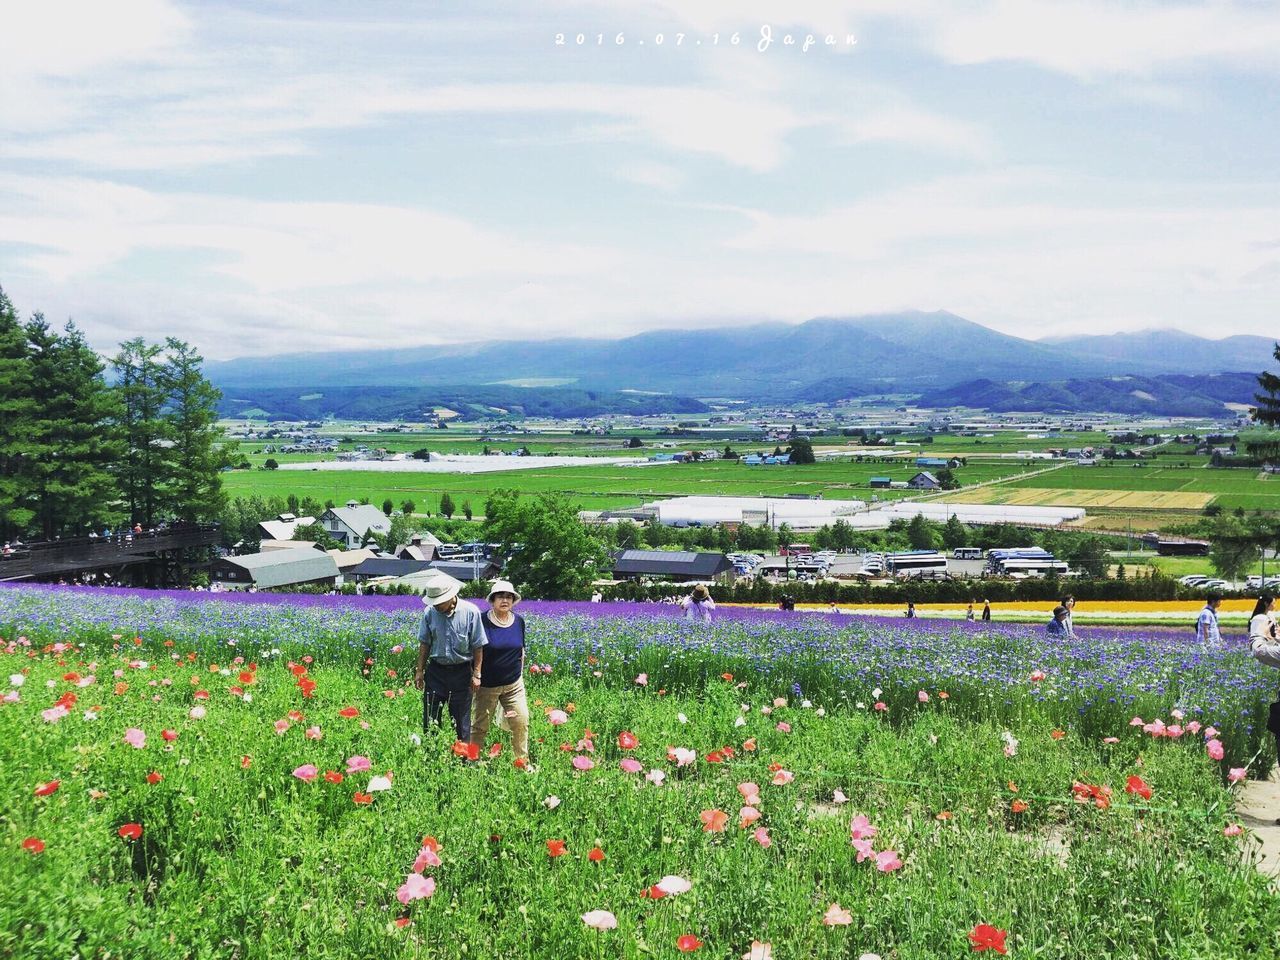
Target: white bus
[
  {"x": 966, "y": 553},
  {"x": 916, "y": 562}
]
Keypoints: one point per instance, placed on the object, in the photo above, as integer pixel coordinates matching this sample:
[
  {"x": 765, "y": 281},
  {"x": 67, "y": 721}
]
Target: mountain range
[{"x": 824, "y": 359}]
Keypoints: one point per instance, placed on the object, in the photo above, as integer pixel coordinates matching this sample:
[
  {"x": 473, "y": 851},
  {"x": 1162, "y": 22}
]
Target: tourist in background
[
  {"x": 1057, "y": 627},
  {"x": 969, "y": 614},
  {"x": 911, "y": 610},
  {"x": 986, "y": 611},
  {"x": 451, "y": 641},
  {"x": 1264, "y": 638},
  {"x": 698, "y": 604},
  {"x": 1069, "y": 604},
  {"x": 1207, "y": 623},
  {"x": 502, "y": 670}
]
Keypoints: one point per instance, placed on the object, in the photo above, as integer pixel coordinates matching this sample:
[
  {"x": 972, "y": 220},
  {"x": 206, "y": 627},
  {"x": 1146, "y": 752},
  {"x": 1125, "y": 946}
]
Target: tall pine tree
[
  {"x": 16, "y": 411},
  {"x": 1267, "y": 412},
  {"x": 199, "y": 451},
  {"x": 73, "y": 434},
  {"x": 143, "y": 467}
]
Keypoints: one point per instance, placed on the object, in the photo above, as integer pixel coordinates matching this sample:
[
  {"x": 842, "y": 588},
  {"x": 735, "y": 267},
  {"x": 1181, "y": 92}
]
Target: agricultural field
[
  {"x": 246, "y": 777},
  {"x": 1094, "y": 499},
  {"x": 1229, "y": 488},
  {"x": 604, "y": 487}
]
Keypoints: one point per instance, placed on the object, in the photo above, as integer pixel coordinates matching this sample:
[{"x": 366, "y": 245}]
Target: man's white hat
[{"x": 441, "y": 589}]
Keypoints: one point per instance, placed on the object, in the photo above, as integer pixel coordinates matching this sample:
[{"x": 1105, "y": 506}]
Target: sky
[{"x": 270, "y": 177}]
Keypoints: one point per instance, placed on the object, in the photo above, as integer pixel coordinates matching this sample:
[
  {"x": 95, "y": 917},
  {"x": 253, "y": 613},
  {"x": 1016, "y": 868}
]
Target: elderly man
[{"x": 451, "y": 642}]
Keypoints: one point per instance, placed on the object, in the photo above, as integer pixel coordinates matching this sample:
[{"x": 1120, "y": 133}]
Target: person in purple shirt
[{"x": 502, "y": 672}]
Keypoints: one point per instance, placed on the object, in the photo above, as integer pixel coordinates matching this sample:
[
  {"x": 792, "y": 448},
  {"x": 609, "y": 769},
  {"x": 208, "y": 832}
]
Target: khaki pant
[{"x": 513, "y": 701}]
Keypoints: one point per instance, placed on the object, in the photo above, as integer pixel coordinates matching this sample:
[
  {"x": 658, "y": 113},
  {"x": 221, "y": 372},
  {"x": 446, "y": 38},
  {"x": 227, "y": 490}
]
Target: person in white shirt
[
  {"x": 1264, "y": 639},
  {"x": 1070, "y": 603},
  {"x": 1207, "y": 623},
  {"x": 698, "y": 605}
]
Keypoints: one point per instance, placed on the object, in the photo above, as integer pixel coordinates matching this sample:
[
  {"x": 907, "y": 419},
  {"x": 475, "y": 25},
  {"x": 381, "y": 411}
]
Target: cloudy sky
[{"x": 261, "y": 177}]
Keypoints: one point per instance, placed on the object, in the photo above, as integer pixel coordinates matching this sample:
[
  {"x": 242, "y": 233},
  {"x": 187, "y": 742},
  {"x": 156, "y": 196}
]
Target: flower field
[
  {"x": 196, "y": 776},
  {"x": 1234, "y": 611}
]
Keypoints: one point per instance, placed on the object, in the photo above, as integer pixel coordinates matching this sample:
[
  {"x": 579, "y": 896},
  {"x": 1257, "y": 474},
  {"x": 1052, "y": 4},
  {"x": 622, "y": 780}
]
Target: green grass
[
  {"x": 1231, "y": 487},
  {"x": 602, "y": 487},
  {"x": 250, "y": 862}
]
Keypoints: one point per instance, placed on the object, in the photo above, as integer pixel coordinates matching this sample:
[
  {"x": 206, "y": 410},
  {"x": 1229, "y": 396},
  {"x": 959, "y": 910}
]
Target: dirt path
[{"x": 1257, "y": 811}]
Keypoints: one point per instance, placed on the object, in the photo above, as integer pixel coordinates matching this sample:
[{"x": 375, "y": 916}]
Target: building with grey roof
[
  {"x": 277, "y": 568},
  {"x": 350, "y": 524}
]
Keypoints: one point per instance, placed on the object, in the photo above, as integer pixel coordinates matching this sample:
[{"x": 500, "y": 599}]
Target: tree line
[{"x": 80, "y": 452}]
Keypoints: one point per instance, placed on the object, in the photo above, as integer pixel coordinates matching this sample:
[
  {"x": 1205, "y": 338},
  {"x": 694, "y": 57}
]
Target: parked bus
[
  {"x": 916, "y": 562},
  {"x": 966, "y": 553},
  {"x": 795, "y": 550}
]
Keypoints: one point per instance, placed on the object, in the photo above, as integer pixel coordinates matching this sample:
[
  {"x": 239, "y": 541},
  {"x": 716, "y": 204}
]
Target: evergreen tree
[
  {"x": 17, "y": 409},
  {"x": 446, "y": 505},
  {"x": 801, "y": 449},
  {"x": 1267, "y": 412},
  {"x": 954, "y": 533},
  {"x": 142, "y": 468},
  {"x": 199, "y": 452},
  {"x": 920, "y": 534},
  {"x": 73, "y": 440}
]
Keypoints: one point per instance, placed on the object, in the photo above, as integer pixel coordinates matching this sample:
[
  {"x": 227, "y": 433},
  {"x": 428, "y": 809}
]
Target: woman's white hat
[
  {"x": 503, "y": 586},
  {"x": 440, "y": 590}
]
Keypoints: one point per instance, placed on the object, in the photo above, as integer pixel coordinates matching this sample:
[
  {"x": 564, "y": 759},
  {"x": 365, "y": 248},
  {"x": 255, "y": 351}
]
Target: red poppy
[
  {"x": 775, "y": 767},
  {"x": 245, "y": 762},
  {"x": 236, "y": 691},
  {"x": 495, "y": 749},
  {"x": 297, "y": 669},
  {"x": 728, "y": 752},
  {"x": 33, "y": 845},
  {"x": 596, "y": 855},
  {"x": 201, "y": 695},
  {"x": 295, "y": 716},
  {"x": 521, "y": 763},
  {"x": 431, "y": 843},
  {"x": 362, "y": 799},
  {"x": 727, "y": 676},
  {"x": 715, "y": 756},
  {"x": 627, "y": 740},
  {"x": 1136, "y": 785},
  {"x": 169, "y": 735},
  {"x": 349, "y": 712},
  {"x": 1057, "y": 734},
  {"x": 67, "y": 700},
  {"x": 1018, "y": 806},
  {"x": 153, "y": 778},
  {"x": 246, "y": 677},
  {"x": 986, "y": 937},
  {"x": 72, "y": 677},
  {"x": 943, "y": 815},
  {"x": 130, "y": 831},
  {"x": 749, "y": 744},
  {"x": 308, "y": 687},
  {"x": 689, "y": 943},
  {"x": 333, "y": 776},
  {"x": 653, "y": 893},
  {"x": 556, "y": 848},
  {"x": 403, "y": 921},
  {"x": 47, "y": 789}
]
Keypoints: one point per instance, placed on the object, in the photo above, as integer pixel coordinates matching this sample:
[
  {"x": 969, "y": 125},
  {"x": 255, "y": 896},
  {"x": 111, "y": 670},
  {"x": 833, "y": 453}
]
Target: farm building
[
  {"x": 349, "y": 525},
  {"x": 277, "y": 568},
  {"x": 681, "y": 566},
  {"x": 881, "y": 483},
  {"x": 283, "y": 526},
  {"x": 386, "y": 567},
  {"x": 924, "y": 480},
  {"x": 799, "y": 514}
]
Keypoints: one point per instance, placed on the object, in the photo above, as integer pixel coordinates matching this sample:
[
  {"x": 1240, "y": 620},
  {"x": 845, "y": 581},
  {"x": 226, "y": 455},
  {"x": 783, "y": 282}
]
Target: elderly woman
[{"x": 502, "y": 671}]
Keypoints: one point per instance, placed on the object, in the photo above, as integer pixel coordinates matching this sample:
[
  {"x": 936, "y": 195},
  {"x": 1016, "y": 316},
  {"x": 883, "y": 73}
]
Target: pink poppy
[
  {"x": 784, "y": 727},
  {"x": 887, "y": 861},
  {"x": 714, "y": 821},
  {"x": 881, "y": 706},
  {"x": 779, "y": 701},
  {"x": 655, "y": 777},
  {"x": 426, "y": 858},
  {"x": 307, "y": 772},
  {"x": 281, "y": 726},
  {"x": 922, "y": 697},
  {"x": 1037, "y": 676},
  {"x": 681, "y": 756},
  {"x": 1193, "y": 726},
  {"x": 836, "y": 916},
  {"x": 750, "y": 793},
  {"x": 600, "y": 920},
  {"x": 1236, "y": 774},
  {"x": 861, "y": 829},
  {"x": 1233, "y": 830},
  {"x": 135, "y": 738},
  {"x": 782, "y": 778},
  {"x": 1210, "y": 732},
  {"x": 748, "y": 816},
  {"x": 358, "y": 764},
  {"x": 415, "y": 887},
  {"x": 642, "y": 680},
  {"x": 1136, "y": 722},
  {"x": 197, "y": 712},
  {"x": 759, "y": 951},
  {"x": 761, "y": 836},
  {"x": 839, "y": 797},
  {"x": 54, "y": 713},
  {"x": 314, "y": 733},
  {"x": 672, "y": 885},
  {"x": 630, "y": 765},
  {"x": 557, "y": 717},
  {"x": 864, "y": 849},
  {"x": 1110, "y": 739},
  {"x": 1215, "y": 750},
  {"x": 583, "y": 763}
]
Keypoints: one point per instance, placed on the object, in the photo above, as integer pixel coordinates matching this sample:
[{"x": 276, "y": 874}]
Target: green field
[
  {"x": 602, "y": 487},
  {"x": 1231, "y": 487}
]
